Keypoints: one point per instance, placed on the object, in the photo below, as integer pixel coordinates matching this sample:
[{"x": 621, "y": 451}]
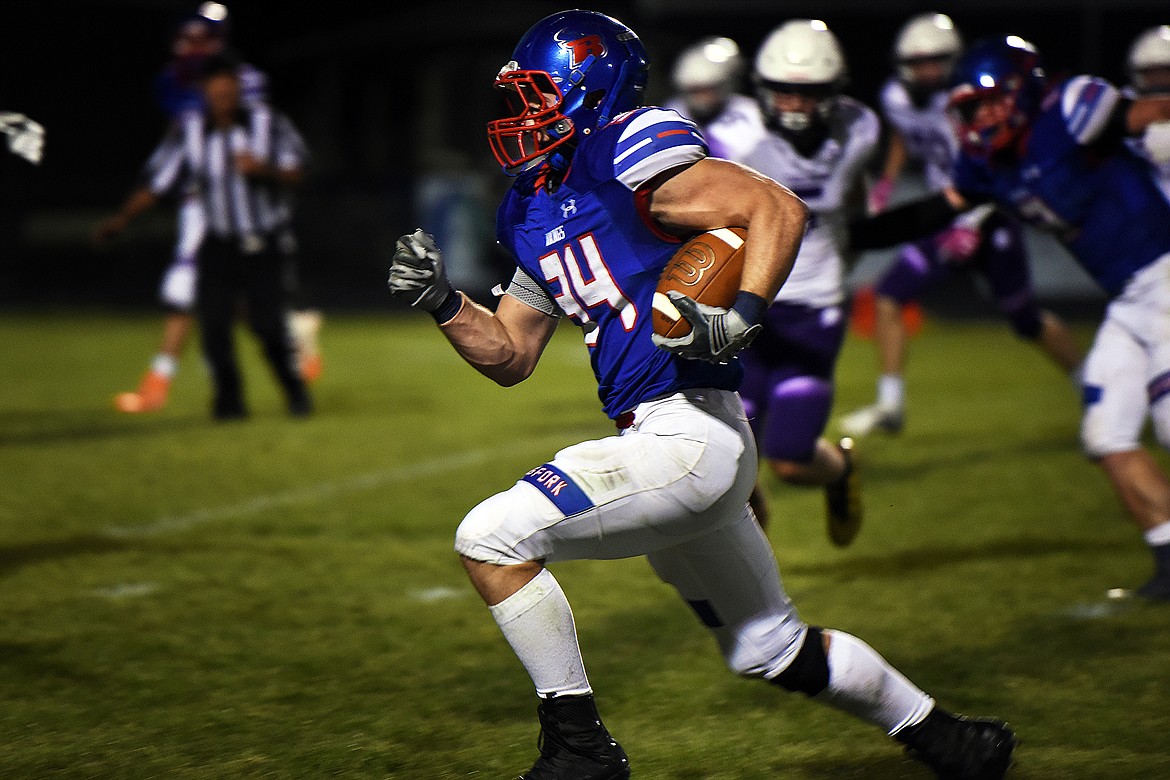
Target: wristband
[
  {"x": 449, "y": 307},
  {"x": 750, "y": 307}
]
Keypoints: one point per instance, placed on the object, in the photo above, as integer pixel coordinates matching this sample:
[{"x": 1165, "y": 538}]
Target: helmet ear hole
[{"x": 593, "y": 99}]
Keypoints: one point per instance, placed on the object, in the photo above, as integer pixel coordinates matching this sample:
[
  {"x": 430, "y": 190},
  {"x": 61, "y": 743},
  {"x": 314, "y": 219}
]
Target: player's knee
[
  {"x": 1102, "y": 433},
  {"x": 760, "y": 646},
  {"x": 808, "y": 673},
  {"x": 1159, "y": 391},
  {"x": 478, "y": 537}
]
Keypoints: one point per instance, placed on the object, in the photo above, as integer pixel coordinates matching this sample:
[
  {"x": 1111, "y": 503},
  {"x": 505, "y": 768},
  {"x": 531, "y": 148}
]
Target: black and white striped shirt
[{"x": 199, "y": 159}]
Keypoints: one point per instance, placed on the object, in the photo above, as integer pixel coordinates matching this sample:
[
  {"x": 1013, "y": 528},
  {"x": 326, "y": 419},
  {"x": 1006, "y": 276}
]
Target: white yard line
[{"x": 323, "y": 490}]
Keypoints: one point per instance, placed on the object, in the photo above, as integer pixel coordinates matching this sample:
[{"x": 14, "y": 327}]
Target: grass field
[{"x": 277, "y": 598}]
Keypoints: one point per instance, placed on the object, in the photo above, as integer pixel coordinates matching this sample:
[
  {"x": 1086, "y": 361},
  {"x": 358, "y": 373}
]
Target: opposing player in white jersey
[
  {"x": 1148, "y": 65},
  {"x": 708, "y": 78},
  {"x": 986, "y": 241},
  {"x": 818, "y": 142},
  {"x": 603, "y": 192}
]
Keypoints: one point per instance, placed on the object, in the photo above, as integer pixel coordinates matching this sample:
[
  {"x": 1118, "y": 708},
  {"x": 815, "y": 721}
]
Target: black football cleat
[
  {"x": 1156, "y": 589},
  {"x": 843, "y": 508},
  {"x": 574, "y": 745},
  {"x": 960, "y": 748}
]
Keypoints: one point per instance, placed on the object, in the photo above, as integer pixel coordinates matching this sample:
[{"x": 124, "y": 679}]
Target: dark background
[{"x": 392, "y": 104}]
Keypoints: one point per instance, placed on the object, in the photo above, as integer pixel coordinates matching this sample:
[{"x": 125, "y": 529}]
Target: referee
[{"x": 243, "y": 178}]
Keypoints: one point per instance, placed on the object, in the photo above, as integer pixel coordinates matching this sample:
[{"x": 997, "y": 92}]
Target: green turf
[{"x": 278, "y": 598}]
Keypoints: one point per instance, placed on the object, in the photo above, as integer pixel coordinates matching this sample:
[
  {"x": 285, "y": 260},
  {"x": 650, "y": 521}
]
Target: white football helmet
[
  {"x": 927, "y": 37},
  {"x": 1150, "y": 51},
  {"x": 706, "y": 74},
  {"x": 800, "y": 56}
]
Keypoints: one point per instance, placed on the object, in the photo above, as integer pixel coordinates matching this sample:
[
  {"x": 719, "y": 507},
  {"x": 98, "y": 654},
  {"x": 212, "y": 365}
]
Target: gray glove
[
  {"x": 416, "y": 272},
  {"x": 716, "y": 334}
]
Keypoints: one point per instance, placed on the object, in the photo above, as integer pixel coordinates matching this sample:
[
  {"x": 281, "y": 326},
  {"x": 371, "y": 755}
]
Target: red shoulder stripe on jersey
[{"x": 642, "y": 204}]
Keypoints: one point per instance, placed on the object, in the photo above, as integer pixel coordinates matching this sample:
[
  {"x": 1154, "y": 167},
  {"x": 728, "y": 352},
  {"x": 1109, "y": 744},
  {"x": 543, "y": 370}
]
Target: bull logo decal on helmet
[{"x": 581, "y": 48}]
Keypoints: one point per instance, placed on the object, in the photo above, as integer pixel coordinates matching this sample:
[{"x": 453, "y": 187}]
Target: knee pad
[
  {"x": 809, "y": 671},
  {"x": 797, "y": 412},
  {"x": 1160, "y": 414},
  {"x": 1108, "y": 428},
  {"x": 484, "y": 534}
]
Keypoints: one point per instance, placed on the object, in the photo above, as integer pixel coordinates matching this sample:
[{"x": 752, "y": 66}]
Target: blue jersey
[
  {"x": 177, "y": 92},
  {"x": 593, "y": 248},
  {"x": 1102, "y": 204}
]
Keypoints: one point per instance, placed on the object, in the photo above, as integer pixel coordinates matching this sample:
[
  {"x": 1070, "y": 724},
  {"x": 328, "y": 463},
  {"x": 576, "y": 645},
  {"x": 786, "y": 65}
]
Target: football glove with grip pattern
[
  {"x": 417, "y": 273},
  {"x": 717, "y": 334}
]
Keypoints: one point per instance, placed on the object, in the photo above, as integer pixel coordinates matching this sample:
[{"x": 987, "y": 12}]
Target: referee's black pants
[{"x": 227, "y": 278}]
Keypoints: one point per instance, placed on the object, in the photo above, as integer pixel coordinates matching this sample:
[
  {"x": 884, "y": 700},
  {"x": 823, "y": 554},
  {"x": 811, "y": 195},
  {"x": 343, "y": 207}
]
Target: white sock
[
  {"x": 165, "y": 365},
  {"x": 1158, "y": 535},
  {"x": 863, "y": 684},
  {"x": 538, "y": 623},
  {"x": 891, "y": 391}
]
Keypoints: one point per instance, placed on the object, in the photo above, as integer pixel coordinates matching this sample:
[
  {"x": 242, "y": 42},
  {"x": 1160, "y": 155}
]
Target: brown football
[{"x": 706, "y": 269}]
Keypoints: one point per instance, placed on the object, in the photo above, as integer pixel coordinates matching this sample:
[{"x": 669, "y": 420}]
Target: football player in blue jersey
[
  {"x": 604, "y": 192},
  {"x": 984, "y": 241},
  {"x": 1055, "y": 155}
]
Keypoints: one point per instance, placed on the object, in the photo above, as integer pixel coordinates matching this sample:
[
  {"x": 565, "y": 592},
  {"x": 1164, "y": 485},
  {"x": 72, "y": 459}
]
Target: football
[{"x": 706, "y": 269}]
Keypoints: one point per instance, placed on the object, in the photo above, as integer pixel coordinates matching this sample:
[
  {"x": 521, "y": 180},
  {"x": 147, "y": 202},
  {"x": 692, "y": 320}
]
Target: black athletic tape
[{"x": 809, "y": 671}]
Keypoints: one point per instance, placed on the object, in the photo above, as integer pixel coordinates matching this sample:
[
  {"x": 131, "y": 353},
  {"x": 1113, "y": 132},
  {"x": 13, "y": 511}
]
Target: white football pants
[
  {"x": 1126, "y": 374},
  {"x": 673, "y": 487},
  {"x": 178, "y": 283}
]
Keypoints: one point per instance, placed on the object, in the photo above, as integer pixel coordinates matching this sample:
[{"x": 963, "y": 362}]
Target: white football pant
[
  {"x": 1126, "y": 374},
  {"x": 673, "y": 487}
]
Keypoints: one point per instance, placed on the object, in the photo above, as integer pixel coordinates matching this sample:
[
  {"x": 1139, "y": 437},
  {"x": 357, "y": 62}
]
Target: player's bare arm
[
  {"x": 896, "y": 156},
  {"x": 1146, "y": 111},
  {"x": 503, "y": 345},
  {"x": 715, "y": 193},
  {"x": 138, "y": 202}
]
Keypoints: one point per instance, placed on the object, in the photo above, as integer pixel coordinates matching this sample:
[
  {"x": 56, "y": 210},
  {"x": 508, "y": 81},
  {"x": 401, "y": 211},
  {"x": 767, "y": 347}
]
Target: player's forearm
[
  {"x": 903, "y": 223},
  {"x": 775, "y": 231},
  {"x": 895, "y": 158},
  {"x": 140, "y": 201},
  {"x": 1146, "y": 111},
  {"x": 487, "y": 345}
]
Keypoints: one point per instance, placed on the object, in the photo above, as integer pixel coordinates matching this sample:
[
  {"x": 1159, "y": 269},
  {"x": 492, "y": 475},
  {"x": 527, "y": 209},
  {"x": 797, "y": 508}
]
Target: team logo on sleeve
[{"x": 580, "y": 48}]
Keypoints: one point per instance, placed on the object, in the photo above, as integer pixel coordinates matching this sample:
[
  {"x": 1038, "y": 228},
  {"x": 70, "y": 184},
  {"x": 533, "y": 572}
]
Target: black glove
[{"x": 416, "y": 272}]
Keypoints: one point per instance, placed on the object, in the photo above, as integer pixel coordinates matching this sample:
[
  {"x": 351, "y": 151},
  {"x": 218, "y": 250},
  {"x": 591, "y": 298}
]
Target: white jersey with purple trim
[
  {"x": 929, "y": 135},
  {"x": 734, "y": 131},
  {"x": 825, "y": 182},
  {"x": 593, "y": 249}
]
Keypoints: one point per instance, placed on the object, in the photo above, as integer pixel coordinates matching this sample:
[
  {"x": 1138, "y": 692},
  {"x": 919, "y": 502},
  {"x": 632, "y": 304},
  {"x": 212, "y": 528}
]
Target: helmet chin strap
[{"x": 604, "y": 114}]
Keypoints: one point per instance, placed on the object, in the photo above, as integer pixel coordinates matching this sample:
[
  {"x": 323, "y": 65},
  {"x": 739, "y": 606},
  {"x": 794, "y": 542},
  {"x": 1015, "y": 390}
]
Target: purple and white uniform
[
  {"x": 788, "y": 382},
  {"x": 734, "y": 130},
  {"x": 1000, "y": 256}
]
